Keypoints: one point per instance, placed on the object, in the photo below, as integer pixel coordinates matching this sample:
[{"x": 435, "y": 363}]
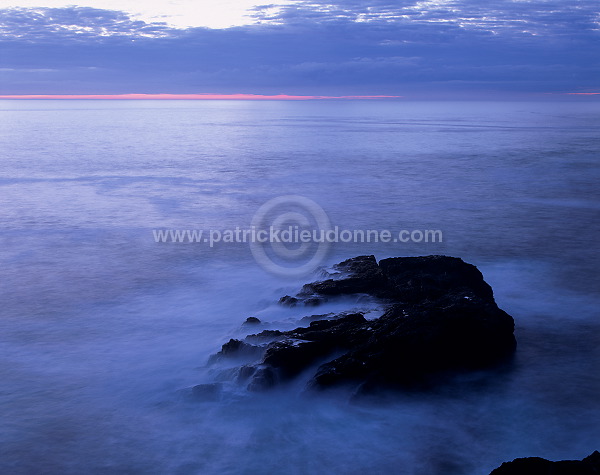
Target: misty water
[{"x": 102, "y": 329}]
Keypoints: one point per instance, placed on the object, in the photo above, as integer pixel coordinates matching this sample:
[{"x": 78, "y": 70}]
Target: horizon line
[{"x": 208, "y": 96}]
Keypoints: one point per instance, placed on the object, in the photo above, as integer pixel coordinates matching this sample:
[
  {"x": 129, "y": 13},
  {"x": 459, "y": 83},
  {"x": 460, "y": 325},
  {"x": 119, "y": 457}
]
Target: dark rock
[
  {"x": 314, "y": 301},
  {"x": 237, "y": 349},
  {"x": 416, "y": 279},
  {"x": 252, "y": 321},
  {"x": 408, "y": 344},
  {"x": 264, "y": 378},
  {"x": 245, "y": 373},
  {"x": 364, "y": 266},
  {"x": 442, "y": 318},
  {"x": 290, "y": 357},
  {"x": 312, "y": 318},
  {"x": 341, "y": 332},
  {"x": 406, "y": 279},
  {"x": 363, "y": 275},
  {"x": 288, "y": 301},
  {"x": 304, "y": 346},
  {"x": 265, "y": 336},
  {"x": 539, "y": 466}
]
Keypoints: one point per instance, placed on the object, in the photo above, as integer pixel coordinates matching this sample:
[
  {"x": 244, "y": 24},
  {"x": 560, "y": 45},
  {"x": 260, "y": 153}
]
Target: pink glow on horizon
[
  {"x": 583, "y": 93},
  {"x": 255, "y": 97}
]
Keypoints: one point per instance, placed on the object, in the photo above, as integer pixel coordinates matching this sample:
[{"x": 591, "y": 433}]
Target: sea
[{"x": 104, "y": 329}]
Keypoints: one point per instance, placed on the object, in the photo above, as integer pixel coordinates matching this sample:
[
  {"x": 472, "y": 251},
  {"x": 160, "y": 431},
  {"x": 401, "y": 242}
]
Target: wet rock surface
[
  {"x": 539, "y": 466},
  {"x": 440, "y": 317},
  {"x": 252, "y": 321}
]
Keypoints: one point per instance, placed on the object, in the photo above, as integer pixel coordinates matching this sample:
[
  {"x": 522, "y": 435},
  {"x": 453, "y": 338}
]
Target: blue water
[{"x": 102, "y": 328}]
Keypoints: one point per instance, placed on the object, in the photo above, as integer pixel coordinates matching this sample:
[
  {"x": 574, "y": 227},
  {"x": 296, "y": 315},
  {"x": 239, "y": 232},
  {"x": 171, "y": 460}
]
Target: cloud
[
  {"x": 48, "y": 24},
  {"x": 533, "y": 17},
  {"x": 311, "y": 48}
]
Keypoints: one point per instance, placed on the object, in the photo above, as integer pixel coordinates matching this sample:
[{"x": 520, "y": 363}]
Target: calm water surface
[{"x": 101, "y": 328}]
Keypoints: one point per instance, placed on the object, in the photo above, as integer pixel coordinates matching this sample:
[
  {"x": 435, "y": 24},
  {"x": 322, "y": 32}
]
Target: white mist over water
[{"x": 101, "y": 328}]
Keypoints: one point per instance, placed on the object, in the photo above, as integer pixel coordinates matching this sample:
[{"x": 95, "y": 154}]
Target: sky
[{"x": 413, "y": 49}]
